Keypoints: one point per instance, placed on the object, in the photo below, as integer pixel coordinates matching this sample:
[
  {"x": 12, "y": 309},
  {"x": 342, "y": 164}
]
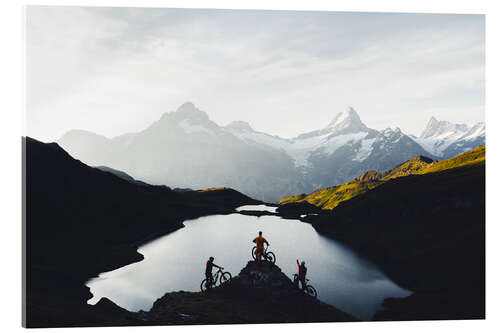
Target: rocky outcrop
[
  {"x": 370, "y": 175},
  {"x": 295, "y": 210},
  {"x": 258, "y": 294}
]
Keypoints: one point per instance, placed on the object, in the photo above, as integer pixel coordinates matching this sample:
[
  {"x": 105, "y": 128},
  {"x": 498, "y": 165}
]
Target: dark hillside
[
  {"x": 81, "y": 221},
  {"x": 427, "y": 232}
]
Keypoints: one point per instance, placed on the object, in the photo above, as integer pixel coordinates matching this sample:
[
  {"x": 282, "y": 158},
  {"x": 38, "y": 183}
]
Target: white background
[{"x": 11, "y": 130}]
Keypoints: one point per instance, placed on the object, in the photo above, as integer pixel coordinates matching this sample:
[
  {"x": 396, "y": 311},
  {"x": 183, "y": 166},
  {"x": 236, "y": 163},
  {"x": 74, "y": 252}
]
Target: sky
[{"x": 117, "y": 70}]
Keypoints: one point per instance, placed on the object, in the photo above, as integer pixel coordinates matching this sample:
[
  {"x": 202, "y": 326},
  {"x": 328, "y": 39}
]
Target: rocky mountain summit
[
  {"x": 445, "y": 139},
  {"x": 346, "y": 122}
]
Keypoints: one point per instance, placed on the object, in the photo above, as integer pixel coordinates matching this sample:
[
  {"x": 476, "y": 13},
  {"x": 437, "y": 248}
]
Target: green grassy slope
[
  {"x": 331, "y": 197},
  {"x": 473, "y": 157}
]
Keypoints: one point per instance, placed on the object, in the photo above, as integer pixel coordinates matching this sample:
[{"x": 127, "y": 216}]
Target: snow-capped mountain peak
[
  {"x": 187, "y": 111},
  {"x": 436, "y": 128},
  {"x": 188, "y": 118},
  {"x": 430, "y": 129},
  {"x": 391, "y": 133},
  {"x": 478, "y": 130},
  {"x": 445, "y": 139},
  {"x": 347, "y": 121}
]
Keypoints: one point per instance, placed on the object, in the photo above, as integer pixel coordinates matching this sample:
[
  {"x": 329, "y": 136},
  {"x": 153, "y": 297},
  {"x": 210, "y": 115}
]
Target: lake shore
[
  {"x": 96, "y": 231},
  {"x": 439, "y": 254}
]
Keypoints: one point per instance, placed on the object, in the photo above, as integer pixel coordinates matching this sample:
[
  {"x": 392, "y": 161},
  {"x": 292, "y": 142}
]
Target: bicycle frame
[
  {"x": 296, "y": 277},
  {"x": 215, "y": 277},
  {"x": 309, "y": 289},
  {"x": 264, "y": 251}
]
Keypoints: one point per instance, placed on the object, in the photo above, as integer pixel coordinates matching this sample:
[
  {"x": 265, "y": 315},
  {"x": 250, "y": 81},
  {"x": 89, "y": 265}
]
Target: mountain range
[
  {"x": 186, "y": 149},
  {"x": 445, "y": 139}
]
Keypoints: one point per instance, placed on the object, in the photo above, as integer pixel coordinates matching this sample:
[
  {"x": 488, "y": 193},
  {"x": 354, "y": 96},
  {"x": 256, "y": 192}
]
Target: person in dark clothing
[
  {"x": 208, "y": 270},
  {"x": 302, "y": 274}
]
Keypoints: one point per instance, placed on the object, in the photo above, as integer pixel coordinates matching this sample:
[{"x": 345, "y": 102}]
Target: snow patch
[
  {"x": 258, "y": 137},
  {"x": 339, "y": 119},
  {"x": 436, "y": 145},
  {"x": 301, "y": 149},
  {"x": 365, "y": 150},
  {"x": 334, "y": 143},
  {"x": 193, "y": 128},
  {"x": 477, "y": 131}
]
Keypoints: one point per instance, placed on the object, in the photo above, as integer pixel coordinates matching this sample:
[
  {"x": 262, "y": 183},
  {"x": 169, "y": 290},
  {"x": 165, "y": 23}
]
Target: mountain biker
[
  {"x": 259, "y": 251},
  {"x": 208, "y": 269},
  {"x": 302, "y": 274}
]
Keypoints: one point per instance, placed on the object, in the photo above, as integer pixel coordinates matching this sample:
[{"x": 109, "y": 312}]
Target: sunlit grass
[{"x": 330, "y": 197}]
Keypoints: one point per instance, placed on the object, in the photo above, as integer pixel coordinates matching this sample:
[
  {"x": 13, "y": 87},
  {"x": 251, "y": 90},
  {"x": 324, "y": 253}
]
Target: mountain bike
[
  {"x": 269, "y": 256},
  {"x": 310, "y": 290},
  {"x": 222, "y": 277}
]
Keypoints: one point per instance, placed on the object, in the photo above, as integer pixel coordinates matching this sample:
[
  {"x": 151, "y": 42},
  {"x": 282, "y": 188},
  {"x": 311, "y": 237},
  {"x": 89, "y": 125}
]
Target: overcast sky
[{"x": 117, "y": 70}]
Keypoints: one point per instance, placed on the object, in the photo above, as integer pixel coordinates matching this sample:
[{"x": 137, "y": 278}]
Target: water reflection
[
  {"x": 264, "y": 208},
  {"x": 176, "y": 262}
]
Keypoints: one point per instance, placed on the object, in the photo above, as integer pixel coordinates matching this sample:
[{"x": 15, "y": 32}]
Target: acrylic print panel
[{"x": 203, "y": 166}]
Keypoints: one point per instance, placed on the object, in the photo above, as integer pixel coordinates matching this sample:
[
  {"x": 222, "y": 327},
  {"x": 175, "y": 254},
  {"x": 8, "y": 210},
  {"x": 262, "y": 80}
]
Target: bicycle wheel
[
  {"x": 254, "y": 252},
  {"x": 311, "y": 291},
  {"x": 271, "y": 257},
  {"x": 204, "y": 285},
  {"x": 226, "y": 277}
]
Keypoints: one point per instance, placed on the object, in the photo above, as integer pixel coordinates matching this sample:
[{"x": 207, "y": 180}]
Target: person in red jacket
[{"x": 302, "y": 274}]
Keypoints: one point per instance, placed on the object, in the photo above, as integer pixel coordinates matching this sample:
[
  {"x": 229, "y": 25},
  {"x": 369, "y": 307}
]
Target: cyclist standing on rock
[
  {"x": 302, "y": 274},
  {"x": 208, "y": 269},
  {"x": 259, "y": 242}
]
